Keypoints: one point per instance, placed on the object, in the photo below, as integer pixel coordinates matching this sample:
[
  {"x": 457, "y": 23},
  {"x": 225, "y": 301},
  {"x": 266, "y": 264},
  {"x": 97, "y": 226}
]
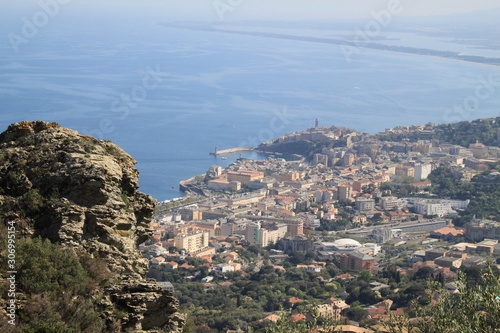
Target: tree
[
  {"x": 355, "y": 313},
  {"x": 365, "y": 276},
  {"x": 56, "y": 284},
  {"x": 476, "y": 308},
  {"x": 297, "y": 258},
  {"x": 473, "y": 275},
  {"x": 368, "y": 296},
  {"x": 392, "y": 273},
  {"x": 424, "y": 273}
]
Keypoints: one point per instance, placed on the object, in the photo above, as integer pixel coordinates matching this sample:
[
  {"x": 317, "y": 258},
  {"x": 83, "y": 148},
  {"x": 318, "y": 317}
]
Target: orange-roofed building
[
  {"x": 397, "y": 216},
  {"x": 225, "y": 244},
  {"x": 380, "y": 312},
  {"x": 158, "y": 261},
  {"x": 477, "y": 144},
  {"x": 244, "y": 176},
  {"x": 297, "y": 317},
  {"x": 206, "y": 258},
  {"x": 272, "y": 317},
  {"x": 449, "y": 234},
  {"x": 294, "y": 300},
  {"x": 208, "y": 286},
  {"x": 280, "y": 268},
  {"x": 331, "y": 300},
  {"x": 377, "y": 312},
  {"x": 352, "y": 329},
  {"x": 171, "y": 265},
  {"x": 225, "y": 284},
  {"x": 421, "y": 185},
  {"x": 186, "y": 266},
  {"x": 345, "y": 277}
]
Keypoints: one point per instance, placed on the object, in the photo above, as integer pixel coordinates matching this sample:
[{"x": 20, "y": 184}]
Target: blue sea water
[{"x": 168, "y": 96}]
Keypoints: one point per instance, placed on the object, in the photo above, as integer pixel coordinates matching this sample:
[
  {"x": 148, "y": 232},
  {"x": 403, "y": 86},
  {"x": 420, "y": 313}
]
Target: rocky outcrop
[{"x": 82, "y": 193}]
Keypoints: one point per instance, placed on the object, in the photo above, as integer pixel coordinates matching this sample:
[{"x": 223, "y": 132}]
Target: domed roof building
[
  {"x": 347, "y": 242},
  {"x": 341, "y": 245},
  {"x": 346, "y": 245}
]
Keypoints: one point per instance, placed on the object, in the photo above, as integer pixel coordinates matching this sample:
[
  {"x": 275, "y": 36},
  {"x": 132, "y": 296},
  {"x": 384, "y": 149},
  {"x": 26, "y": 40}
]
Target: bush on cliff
[{"x": 54, "y": 288}]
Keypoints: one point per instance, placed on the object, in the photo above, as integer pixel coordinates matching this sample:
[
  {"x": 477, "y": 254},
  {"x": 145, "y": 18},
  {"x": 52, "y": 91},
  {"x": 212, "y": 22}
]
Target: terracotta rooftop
[
  {"x": 272, "y": 317},
  {"x": 450, "y": 231},
  {"x": 294, "y": 300},
  {"x": 298, "y": 317}
]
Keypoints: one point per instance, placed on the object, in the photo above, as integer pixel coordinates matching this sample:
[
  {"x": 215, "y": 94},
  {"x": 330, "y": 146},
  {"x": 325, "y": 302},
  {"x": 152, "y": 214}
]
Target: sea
[{"x": 170, "y": 95}]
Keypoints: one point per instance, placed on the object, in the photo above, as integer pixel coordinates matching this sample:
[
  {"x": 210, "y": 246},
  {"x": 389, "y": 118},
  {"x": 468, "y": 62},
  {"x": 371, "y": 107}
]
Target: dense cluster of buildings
[
  {"x": 281, "y": 202},
  {"x": 276, "y": 201}
]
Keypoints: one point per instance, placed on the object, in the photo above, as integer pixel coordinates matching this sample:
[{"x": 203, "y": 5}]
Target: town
[{"x": 339, "y": 207}]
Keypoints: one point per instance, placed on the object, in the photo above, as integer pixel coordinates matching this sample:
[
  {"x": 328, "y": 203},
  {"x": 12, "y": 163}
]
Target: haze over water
[{"x": 168, "y": 95}]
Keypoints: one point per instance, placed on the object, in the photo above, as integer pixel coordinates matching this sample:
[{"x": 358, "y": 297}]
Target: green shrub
[
  {"x": 57, "y": 283},
  {"x": 46, "y": 267},
  {"x": 34, "y": 200}
]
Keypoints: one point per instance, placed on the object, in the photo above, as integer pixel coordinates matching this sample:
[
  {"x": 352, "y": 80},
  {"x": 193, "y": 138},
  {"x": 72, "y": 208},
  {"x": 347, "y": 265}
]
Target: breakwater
[{"x": 231, "y": 151}]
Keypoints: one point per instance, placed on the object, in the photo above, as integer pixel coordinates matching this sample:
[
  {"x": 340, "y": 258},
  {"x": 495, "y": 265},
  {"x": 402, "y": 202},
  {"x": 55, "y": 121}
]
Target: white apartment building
[
  {"x": 439, "y": 207},
  {"x": 422, "y": 171},
  {"x": 389, "y": 203}
]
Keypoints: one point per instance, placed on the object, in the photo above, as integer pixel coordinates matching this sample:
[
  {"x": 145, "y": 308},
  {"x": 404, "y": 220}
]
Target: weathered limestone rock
[{"x": 82, "y": 193}]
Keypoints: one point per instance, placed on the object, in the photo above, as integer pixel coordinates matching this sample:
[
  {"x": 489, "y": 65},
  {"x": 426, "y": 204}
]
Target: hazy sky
[{"x": 254, "y": 9}]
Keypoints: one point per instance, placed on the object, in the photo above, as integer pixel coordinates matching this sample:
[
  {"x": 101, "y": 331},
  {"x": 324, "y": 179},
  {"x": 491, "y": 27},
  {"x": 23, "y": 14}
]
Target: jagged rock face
[{"x": 82, "y": 192}]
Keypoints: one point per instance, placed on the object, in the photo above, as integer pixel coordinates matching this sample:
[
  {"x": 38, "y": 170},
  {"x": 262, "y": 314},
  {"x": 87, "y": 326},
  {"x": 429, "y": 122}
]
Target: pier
[{"x": 230, "y": 151}]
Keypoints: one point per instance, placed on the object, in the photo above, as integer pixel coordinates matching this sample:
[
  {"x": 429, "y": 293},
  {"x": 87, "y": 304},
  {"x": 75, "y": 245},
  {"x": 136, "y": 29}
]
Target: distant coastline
[{"x": 447, "y": 55}]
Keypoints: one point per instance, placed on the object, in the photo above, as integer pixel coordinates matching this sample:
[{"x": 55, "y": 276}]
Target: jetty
[{"x": 217, "y": 152}]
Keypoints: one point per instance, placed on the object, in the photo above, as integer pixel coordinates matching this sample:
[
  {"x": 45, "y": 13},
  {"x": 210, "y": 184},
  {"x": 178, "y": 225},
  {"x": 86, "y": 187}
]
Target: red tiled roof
[
  {"x": 298, "y": 317},
  {"x": 294, "y": 300},
  {"x": 377, "y": 311},
  {"x": 450, "y": 231},
  {"x": 171, "y": 263},
  {"x": 271, "y": 317}
]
